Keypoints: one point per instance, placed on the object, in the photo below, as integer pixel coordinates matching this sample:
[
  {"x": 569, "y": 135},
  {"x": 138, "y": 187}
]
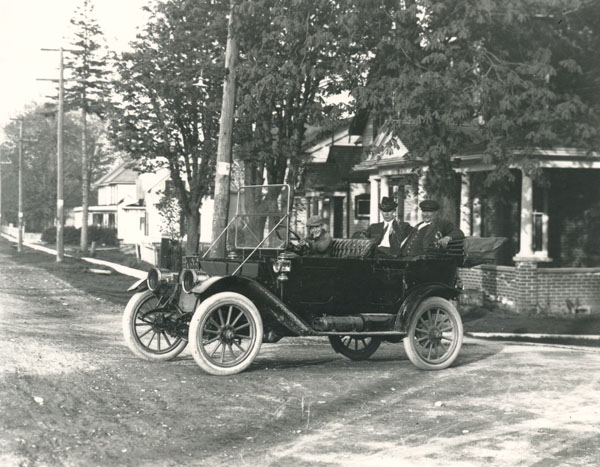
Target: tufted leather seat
[{"x": 352, "y": 248}]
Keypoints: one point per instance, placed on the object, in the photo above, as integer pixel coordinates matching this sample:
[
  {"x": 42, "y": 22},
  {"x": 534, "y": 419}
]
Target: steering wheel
[
  {"x": 280, "y": 233},
  {"x": 295, "y": 234},
  {"x": 296, "y": 244}
]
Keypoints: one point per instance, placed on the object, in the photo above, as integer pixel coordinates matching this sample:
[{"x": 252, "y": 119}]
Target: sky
[{"x": 26, "y": 26}]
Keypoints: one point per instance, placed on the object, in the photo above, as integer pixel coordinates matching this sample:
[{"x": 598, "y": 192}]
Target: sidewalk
[{"x": 137, "y": 273}]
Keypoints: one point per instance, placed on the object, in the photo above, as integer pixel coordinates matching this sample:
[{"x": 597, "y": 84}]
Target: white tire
[
  {"x": 226, "y": 333},
  {"x": 435, "y": 334}
]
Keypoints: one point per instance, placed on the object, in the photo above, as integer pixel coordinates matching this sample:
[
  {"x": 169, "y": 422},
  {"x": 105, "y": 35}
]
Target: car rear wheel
[
  {"x": 226, "y": 333},
  {"x": 355, "y": 347},
  {"x": 435, "y": 335},
  {"x": 144, "y": 328}
]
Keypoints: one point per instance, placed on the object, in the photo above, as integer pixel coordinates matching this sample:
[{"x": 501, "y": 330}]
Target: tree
[
  {"x": 87, "y": 90},
  {"x": 285, "y": 73},
  {"x": 39, "y": 165},
  {"x": 170, "y": 86},
  {"x": 502, "y": 77}
]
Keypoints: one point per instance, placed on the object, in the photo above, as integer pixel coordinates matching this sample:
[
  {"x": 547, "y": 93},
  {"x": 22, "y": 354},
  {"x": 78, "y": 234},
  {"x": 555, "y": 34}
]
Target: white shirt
[
  {"x": 423, "y": 224},
  {"x": 385, "y": 241}
]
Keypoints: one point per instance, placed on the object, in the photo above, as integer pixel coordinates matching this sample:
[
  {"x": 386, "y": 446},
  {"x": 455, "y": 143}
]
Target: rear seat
[{"x": 352, "y": 248}]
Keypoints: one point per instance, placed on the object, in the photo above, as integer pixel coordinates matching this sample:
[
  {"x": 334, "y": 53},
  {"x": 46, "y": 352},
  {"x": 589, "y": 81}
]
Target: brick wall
[
  {"x": 494, "y": 283},
  {"x": 526, "y": 287},
  {"x": 569, "y": 289}
]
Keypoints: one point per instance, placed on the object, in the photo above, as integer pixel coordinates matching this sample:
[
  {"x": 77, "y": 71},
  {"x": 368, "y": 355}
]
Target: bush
[
  {"x": 72, "y": 236},
  {"x": 103, "y": 235}
]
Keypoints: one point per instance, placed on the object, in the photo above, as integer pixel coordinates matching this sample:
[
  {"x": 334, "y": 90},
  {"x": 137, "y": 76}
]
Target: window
[{"x": 362, "y": 206}]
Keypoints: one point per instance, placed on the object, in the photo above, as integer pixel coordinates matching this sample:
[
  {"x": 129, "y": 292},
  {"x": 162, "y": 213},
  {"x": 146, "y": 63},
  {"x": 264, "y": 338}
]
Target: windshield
[{"x": 262, "y": 217}]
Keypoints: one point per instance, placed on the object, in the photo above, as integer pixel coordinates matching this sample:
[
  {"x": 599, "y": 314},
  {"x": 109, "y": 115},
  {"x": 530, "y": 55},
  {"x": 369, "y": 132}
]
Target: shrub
[
  {"x": 72, "y": 235},
  {"x": 103, "y": 235}
]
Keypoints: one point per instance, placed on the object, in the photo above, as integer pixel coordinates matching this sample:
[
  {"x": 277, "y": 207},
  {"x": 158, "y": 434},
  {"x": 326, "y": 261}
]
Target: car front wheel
[
  {"x": 435, "y": 335},
  {"x": 225, "y": 333},
  {"x": 145, "y": 323}
]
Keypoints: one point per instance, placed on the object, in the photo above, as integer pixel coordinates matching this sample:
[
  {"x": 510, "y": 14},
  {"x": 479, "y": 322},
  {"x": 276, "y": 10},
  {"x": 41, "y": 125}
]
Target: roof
[
  {"x": 122, "y": 174},
  {"x": 393, "y": 152},
  {"x": 333, "y": 174}
]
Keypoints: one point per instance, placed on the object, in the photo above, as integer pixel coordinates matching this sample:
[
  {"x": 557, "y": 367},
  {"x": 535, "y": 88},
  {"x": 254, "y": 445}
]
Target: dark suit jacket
[
  {"x": 401, "y": 230},
  {"x": 437, "y": 229}
]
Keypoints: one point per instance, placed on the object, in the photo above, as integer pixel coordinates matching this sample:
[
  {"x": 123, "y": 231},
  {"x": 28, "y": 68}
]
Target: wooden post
[
  {"x": 223, "y": 168},
  {"x": 60, "y": 216}
]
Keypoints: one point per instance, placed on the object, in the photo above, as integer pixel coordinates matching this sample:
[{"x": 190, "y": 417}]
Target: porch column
[
  {"x": 384, "y": 186},
  {"x": 411, "y": 201},
  {"x": 465, "y": 203},
  {"x": 526, "y": 239},
  {"x": 526, "y": 290},
  {"x": 421, "y": 195},
  {"x": 374, "y": 214},
  {"x": 476, "y": 226}
]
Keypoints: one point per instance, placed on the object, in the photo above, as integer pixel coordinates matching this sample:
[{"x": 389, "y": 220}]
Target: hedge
[{"x": 72, "y": 236}]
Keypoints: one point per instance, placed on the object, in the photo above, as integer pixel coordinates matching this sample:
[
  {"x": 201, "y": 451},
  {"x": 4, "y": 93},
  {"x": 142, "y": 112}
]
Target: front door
[{"x": 338, "y": 217}]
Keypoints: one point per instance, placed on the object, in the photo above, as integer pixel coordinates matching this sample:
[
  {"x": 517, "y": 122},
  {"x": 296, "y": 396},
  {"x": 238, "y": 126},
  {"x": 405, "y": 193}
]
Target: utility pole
[
  {"x": 223, "y": 169},
  {"x": 20, "y": 188},
  {"x": 2, "y": 162},
  {"x": 60, "y": 203}
]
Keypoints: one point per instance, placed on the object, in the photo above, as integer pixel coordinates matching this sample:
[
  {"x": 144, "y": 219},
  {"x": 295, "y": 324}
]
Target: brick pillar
[{"x": 526, "y": 286}]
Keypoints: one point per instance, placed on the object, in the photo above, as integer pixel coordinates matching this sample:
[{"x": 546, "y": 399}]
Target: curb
[
  {"x": 534, "y": 338},
  {"x": 508, "y": 335},
  {"x": 132, "y": 272}
]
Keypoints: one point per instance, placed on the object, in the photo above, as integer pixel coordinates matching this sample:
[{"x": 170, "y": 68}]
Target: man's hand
[{"x": 443, "y": 242}]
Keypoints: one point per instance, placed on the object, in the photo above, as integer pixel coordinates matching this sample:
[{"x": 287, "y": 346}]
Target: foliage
[
  {"x": 285, "y": 73},
  {"x": 101, "y": 235},
  {"x": 458, "y": 76},
  {"x": 170, "y": 87},
  {"x": 170, "y": 213},
  {"x": 39, "y": 165},
  {"x": 87, "y": 63},
  {"x": 70, "y": 235}
]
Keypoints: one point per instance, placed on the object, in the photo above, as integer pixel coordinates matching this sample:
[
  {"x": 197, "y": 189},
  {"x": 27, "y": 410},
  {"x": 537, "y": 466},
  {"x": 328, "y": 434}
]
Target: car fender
[
  {"x": 265, "y": 300},
  {"x": 203, "y": 286},
  {"x": 138, "y": 286},
  {"x": 416, "y": 296}
]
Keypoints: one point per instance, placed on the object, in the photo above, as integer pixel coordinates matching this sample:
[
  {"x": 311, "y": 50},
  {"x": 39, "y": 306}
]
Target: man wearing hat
[
  {"x": 318, "y": 239},
  {"x": 431, "y": 231},
  {"x": 390, "y": 233}
]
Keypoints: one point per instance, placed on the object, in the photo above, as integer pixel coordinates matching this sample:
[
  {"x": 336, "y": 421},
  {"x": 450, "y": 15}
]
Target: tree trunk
[
  {"x": 85, "y": 188},
  {"x": 192, "y": 230}
]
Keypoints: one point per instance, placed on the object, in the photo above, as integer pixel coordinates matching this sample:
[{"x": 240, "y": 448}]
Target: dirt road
[{"x": 71, "y": 394}]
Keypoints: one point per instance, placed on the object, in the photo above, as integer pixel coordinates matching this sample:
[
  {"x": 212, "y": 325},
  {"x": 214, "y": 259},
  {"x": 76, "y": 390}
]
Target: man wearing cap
[
  {"x": 390, "y": 233},
  {"x": 431, "y": 231},
  {"x": 318, "y": 239}
]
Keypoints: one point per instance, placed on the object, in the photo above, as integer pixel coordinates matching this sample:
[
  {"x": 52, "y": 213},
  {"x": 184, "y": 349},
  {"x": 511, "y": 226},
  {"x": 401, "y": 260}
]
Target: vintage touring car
[{"x": 264, "y": 289}]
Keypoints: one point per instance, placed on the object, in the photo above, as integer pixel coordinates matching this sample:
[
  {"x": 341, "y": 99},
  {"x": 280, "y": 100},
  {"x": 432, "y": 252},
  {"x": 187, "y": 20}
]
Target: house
[
  {"x": 128, "y": 201},
  {"x": 330, "y": 187},
  {"x": 142, "y": 221},
  {"x": 114, "y": 188},
  {"x": 552, "y": 258}
]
